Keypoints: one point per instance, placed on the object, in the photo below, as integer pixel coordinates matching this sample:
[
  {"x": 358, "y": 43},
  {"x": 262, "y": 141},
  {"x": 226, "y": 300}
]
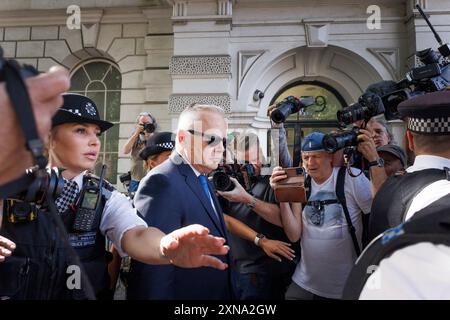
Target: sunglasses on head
[{"x": 211, "y": 139}]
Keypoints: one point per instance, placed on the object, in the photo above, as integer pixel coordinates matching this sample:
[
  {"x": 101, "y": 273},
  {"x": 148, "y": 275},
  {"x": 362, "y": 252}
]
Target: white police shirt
[
  {"x": 432, "y": 192},
  {"x": 417, "y": 272},
  {"x": 118, "y": 216}
]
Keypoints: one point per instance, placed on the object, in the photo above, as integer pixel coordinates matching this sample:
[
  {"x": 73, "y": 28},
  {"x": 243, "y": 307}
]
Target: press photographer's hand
[
  {"x": 277, "y": 249},
  {"x": 45, "y": 94},
  {"x": 6, "y": 248},
  {"x": 238, "y": 194},
  {"x": 278, "y": 174},
  {"x": 367, "y": 145}
]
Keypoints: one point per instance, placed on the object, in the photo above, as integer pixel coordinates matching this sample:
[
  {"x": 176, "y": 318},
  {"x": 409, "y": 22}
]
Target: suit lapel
[{"x": 194, "y": 185}]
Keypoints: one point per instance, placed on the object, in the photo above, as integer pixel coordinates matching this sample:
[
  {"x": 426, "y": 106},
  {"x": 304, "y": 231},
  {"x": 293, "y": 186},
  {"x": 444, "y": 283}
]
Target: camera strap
[{"x": 20, "y": 101}]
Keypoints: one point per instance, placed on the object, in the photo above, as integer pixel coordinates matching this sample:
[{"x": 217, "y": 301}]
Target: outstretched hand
[
  {"x": 192, "y": 247},
  {"x": 6, "y": 248}
]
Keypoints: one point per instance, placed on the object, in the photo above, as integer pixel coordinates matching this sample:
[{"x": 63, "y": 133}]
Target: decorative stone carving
[
  {"x": 179, "y": 9},
  {"x": 246, "y": 60},
  {"x": 177, "y": 103},
  {"x": 317, "y": 33},
  {"x": 224, "y": 7},
  {"x": 200, "y": 65},
  {"x": 390, "y": 57},
  {"x": 90, "y": 33}
]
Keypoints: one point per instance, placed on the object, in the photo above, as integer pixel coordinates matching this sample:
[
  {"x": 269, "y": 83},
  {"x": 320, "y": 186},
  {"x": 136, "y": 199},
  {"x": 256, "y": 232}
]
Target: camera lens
[
  {"x": 149, "y": 127},
  {"x": 222, "y": 181},
  {"x": 337, "y": 141}
]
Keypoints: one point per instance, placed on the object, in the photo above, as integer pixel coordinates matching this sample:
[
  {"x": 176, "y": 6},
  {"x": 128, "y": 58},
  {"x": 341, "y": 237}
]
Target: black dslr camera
[
  {"x": 38, "y": 182},
  {"x": 288, "y": 106},
  {"x": 336, "y": 141},
  {"x": 149, "y": 127},
  {"x": 244, "y": 174}
]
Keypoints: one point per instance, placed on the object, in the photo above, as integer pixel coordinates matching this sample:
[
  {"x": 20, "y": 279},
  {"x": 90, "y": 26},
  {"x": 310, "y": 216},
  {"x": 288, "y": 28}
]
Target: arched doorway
[{"x": 319, "y": 117}]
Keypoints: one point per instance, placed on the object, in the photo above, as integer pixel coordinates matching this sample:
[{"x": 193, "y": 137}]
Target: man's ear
[
  {"x": 410, "y": 139},
  {"x": 180, "y": 136}
]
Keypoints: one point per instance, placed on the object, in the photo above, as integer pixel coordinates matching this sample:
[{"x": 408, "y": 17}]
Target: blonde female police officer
[{"x": 39, "y": 266}]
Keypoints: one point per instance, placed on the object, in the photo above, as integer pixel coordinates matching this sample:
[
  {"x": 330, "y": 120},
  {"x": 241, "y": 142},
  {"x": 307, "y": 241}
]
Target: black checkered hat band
[
  {"x": 439, "y": 125},
  {"x": 167, "y": 145}
]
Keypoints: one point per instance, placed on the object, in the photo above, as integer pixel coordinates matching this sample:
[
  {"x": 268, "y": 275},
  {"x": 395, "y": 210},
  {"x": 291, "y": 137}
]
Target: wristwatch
[
  {"x": 379, "y": 163},
  {"x": 252, "y": 204},
  {"x": 258, "y": 238}
]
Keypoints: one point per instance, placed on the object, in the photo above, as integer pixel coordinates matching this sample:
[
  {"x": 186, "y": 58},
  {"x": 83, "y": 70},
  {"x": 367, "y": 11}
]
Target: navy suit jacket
[{"x": 168, "y": 198}]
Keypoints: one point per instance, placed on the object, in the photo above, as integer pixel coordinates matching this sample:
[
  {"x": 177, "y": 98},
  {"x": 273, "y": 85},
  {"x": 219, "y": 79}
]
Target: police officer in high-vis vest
[{"x": 42, "y": 265}]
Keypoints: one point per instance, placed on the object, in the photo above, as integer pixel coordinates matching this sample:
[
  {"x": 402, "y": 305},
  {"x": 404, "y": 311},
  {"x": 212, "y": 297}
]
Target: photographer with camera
[
  {"x": 261, "y": 276},
  {"x": 330, "y": 226},
  {"x": 145, "y": 127},
  {"x": 90, "y": 210},
  {"x": 428, "y": 138},
  {"x": 410, "y": 253}
]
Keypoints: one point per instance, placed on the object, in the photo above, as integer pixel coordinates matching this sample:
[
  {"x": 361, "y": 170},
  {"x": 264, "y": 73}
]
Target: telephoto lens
[
  {"x": 336, "y": 141},
  {"x": 368, "y": 106},
  {"x": 289, "y": 106}
]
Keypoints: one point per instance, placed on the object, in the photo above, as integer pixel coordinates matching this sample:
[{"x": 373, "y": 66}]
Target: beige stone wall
[{"x": 141, "y": 50}]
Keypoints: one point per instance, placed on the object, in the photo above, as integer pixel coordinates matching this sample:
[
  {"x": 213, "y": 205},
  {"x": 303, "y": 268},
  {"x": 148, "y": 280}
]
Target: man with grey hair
[{"x": 177, "y": 193}]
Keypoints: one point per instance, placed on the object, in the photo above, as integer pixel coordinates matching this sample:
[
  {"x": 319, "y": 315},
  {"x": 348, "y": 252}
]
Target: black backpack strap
[
  {"x": 340, "y": 194},
  {"x": 431, "y": 224},
  {"x": 432, "y": 175},
  {"x": 307, "y": 185}
]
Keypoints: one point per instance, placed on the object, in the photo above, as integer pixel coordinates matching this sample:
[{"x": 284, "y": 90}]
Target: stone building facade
[{"x": 161, "y": 55}]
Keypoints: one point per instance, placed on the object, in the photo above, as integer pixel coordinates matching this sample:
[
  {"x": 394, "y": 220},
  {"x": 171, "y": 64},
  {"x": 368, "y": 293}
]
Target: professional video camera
[
  {"x": 38, "y": 181},
  {"x": 288, "y": 106},
  {"x": 384, "y": 97},
  {"x": 244, "y": 173}
]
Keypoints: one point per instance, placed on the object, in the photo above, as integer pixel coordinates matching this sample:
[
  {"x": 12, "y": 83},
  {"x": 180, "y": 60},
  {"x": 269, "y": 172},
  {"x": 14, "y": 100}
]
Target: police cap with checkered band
[
  {"x": 77, "y": 108},
  {"x": 159, "y": 142},
  {"x": 428, "y": 114}
]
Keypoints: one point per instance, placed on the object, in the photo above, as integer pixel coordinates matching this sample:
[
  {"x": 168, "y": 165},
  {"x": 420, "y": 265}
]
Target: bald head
[
  {"x": 196, "y": 112},
  {"x": 197, "y": 125}
]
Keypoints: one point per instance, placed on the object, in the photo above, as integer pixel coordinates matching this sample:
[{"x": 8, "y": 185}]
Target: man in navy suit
[{"x": 177, "y": 193}]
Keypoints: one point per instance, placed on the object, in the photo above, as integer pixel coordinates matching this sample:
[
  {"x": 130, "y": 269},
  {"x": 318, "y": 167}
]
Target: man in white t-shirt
[{"x": 328, "y": 253}]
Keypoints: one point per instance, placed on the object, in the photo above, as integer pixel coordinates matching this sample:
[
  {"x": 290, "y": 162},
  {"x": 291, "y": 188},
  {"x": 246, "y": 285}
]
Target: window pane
[
  {"x": 96, "y": 86},
  {"x": 79, "y": 80},
  {"x": 97, "y": 70},
  {"x": 112, "y": 139},
  {"x": 113, "y": 79},
  {"x": 113, "y": 106},
  {"x": 102, "y": 83},
  {"x": 99, "y": 99},
  {"x": 111, "y": 167},
  {"x": 326, "y": 105}
]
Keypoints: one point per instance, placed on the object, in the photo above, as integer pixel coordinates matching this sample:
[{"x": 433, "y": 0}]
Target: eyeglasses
[{"x": 211, "y": 139}]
